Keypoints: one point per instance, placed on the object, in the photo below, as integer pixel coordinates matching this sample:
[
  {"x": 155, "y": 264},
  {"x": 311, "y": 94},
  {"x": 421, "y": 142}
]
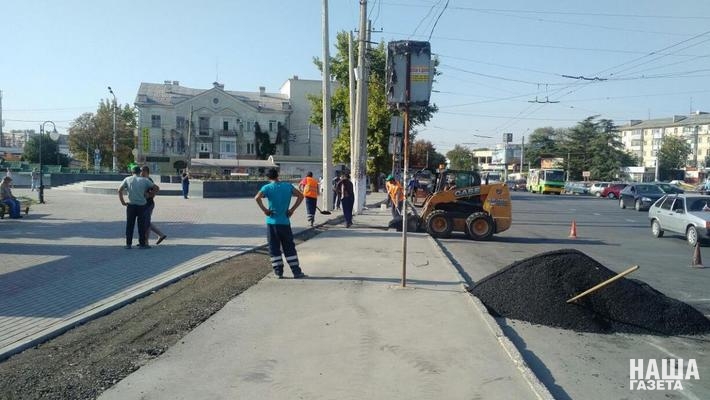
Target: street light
[
  {"x": 114, "y": 168},
  {"x": 54, "y": 135}
]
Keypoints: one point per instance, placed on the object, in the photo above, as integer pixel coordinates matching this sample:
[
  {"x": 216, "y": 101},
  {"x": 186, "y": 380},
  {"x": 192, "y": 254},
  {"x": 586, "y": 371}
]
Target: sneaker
[
  {"x": 127, "y": 247},
  {"x": 300, "y": 276},
  {"x": 145, "y": 246},
  {"x": 160, "y": 239},
  {"x": 279, "y": 276}
]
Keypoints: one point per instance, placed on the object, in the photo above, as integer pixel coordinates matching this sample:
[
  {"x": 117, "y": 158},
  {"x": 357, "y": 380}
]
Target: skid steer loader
[{"x": 460, "y": 203}]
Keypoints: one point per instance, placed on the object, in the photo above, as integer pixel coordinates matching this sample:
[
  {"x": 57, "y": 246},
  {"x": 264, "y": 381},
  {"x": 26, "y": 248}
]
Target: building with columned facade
[{"x": 177, "y": 124}]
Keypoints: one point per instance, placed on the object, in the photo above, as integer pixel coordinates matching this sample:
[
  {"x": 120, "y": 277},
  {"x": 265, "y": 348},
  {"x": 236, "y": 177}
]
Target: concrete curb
[{"x": 508, "y": 346}]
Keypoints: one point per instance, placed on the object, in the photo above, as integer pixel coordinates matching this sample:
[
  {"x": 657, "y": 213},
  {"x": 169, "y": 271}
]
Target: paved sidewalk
[
  {"x": 64, "y": 263},
  {"x": 349, "y": 331}
]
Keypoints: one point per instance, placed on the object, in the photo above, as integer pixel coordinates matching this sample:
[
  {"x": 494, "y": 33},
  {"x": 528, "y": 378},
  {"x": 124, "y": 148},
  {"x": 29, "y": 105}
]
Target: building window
[
  {"x": 272, "y": 126},
  {"x": 250, "y": 148},
  {"x": 225, "y": 125},
  {"x": 227, "y": 147},
  {"x": 180, "y": 123},
  {"x": 204, "y": 147},
  {"x": 204, "y": 126},
  {"x": 155, "y": 121}
]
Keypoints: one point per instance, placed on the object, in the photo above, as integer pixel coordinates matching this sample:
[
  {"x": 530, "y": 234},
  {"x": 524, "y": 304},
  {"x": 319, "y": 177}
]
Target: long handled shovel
[{"x": 323, "y": 212}]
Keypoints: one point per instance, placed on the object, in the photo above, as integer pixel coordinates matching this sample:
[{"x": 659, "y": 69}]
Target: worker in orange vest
[
  {"x": 310, "y": 189},
  {"x": 396, "y": 194}
]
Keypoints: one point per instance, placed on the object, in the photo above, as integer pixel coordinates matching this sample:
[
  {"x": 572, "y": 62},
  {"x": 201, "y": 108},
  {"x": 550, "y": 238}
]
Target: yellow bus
[{"x": 546, "y": 180}]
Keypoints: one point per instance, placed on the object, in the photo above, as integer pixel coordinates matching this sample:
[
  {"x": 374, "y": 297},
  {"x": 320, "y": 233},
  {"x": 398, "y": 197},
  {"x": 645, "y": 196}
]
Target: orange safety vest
[
  {"x": 392, "y": 189},
  {"x": 310, "y": 187}
]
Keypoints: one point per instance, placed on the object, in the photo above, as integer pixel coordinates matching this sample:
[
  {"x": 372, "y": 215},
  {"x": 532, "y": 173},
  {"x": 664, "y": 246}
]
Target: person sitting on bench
[{"x": 7, "y": 198}]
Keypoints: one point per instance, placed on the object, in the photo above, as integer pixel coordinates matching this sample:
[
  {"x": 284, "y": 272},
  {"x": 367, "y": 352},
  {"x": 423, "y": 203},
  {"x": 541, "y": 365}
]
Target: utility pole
[
  {"x": 522, "y": 154},
  {"x": 360, "y": 156},
  {"x": 2, "y": 137},
  {"x": 351, "y": 80},
  {"x": 327, "y": 147}
]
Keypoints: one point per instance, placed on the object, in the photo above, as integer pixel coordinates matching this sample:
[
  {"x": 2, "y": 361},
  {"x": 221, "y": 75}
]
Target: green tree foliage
[
  {"x": 50, "y": 151},
  {"x": 424, "y": 156},
  {"x": 95, "y": 131},
  {"x": 379, "y": 113},
  {"x": 593, "y": 145},
  {"x": 542, "y": 143},
  {"x": 460, "y": 158},
  {"x": 673, "y": 155},
  {"x": 264, "y": 147}
]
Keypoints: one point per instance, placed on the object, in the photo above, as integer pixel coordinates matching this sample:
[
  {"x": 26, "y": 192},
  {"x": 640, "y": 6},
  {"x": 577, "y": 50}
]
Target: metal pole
[
  {"x": 360, "y": 170},
  {"x": 406, "y": 166},
  {"x": 327, "y": 146},
  {"x": 114, "y": 163},
  {"x": 41, "y": 173},
  {"x": 351, "y": 80}
]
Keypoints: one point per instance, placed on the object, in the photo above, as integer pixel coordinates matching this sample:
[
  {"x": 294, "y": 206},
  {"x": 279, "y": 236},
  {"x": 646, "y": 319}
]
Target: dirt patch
[
  {"x": 536, "y": 290},
  {"x": 91, "y": 358}
]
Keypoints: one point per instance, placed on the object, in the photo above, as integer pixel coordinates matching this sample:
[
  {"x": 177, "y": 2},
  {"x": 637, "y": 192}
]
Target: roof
[
  {"x": 170, "y": 94},
  {"x": 678, "y": 120},
  {"x": 295, "y": 159},
  {"x": 219, "y": 162}
]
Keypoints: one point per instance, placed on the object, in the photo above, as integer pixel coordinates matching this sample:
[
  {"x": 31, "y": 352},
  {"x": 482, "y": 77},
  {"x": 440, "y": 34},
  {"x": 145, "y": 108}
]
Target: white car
[{"x": 597, "y": 187}]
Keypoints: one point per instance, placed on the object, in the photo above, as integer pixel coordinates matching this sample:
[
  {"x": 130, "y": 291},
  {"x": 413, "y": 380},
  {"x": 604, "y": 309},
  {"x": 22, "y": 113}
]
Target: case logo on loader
[{"x": 467, "y": 192}]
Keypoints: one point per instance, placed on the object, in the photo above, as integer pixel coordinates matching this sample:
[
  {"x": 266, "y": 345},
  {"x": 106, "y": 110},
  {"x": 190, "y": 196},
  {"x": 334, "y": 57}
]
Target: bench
[{"x": 5, "y": 209}]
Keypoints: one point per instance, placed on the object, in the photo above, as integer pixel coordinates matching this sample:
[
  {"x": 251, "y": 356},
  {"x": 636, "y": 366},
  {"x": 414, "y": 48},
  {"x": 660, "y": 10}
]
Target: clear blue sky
[{"x": 58, "y": 57}]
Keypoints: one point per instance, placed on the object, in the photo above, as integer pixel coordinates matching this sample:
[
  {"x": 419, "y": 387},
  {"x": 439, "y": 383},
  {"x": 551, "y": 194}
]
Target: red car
[{"x": 612, "y": 191}]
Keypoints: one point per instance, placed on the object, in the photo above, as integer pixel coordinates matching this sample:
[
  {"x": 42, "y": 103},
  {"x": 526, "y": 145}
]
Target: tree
[
  {"x": 594, "y": 146},
  {"x": 264, "y": 147},
  {"x": 542, "y": 143},
  {"x": 672, "y": 155},
  {"x": 379, "y": 113},
  {"x": 50, "y": 151},
  {"x": 95, "y": 131},
  {"x": 424, "y": 156},
  {"x": 460, "y": 158}
]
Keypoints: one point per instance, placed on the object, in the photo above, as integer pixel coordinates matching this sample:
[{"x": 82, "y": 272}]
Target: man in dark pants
[
  {"x": 336, "y": 193},
  {"x": 278, "y": 224},
  {"x": 310, "y": 189},
  {"x": 135, "y": 186}
]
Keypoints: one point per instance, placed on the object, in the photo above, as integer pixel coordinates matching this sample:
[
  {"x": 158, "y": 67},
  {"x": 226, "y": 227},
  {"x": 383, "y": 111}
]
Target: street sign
[
  {"x": 409, "y": 59},
  {"x": 586, "y": 174}
]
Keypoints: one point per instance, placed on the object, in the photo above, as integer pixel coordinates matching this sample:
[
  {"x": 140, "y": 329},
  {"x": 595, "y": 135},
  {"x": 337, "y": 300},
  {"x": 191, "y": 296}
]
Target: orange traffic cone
[
  {"x": 573, "y": 230},
  {"x": 697, "y": 261}
]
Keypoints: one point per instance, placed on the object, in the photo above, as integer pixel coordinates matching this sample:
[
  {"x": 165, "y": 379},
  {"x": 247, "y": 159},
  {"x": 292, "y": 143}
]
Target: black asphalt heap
[{"x": 536, "y": 290}]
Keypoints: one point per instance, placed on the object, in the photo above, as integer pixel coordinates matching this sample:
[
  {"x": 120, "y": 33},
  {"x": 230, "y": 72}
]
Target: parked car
[
  {"x": 640, "y": 195},
  {"x": 520, "y": 184},
  {"x": 597, "y": 187},
  {"x": 669, "y": 188},
  {"x": 577, "y": 188},
  {"x": 612, "y": 191},
  {"x": 686, "y": 214}
]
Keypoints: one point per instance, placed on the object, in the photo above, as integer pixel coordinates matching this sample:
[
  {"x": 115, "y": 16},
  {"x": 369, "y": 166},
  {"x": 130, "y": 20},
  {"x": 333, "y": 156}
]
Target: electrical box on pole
[{"x": 417, "y": 78}]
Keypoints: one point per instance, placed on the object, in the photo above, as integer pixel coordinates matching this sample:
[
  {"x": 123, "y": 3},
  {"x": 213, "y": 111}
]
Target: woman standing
[{"x": 149, "y": 206}]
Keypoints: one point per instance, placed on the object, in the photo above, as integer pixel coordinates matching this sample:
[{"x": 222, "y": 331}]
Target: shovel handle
[{"x": 606, "y": 282}]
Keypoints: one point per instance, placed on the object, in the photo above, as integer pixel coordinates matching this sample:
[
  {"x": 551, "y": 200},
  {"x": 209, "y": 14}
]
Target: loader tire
[
  {"x": 479, "y": 226},
  {"x": 439, "y": 224}
]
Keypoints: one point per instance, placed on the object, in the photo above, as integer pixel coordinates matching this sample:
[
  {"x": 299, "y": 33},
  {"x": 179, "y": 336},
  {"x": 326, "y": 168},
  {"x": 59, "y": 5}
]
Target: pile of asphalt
[{"x": 536, "y": 290}]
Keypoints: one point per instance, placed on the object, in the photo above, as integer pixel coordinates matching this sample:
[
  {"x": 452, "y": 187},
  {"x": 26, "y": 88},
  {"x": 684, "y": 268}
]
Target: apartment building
[
  {"x": 177, "y": 123},
  {"x": 644, "y": 138}
]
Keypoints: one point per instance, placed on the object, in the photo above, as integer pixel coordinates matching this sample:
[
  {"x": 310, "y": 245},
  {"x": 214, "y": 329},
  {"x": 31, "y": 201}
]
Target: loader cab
[{"x": 462, "y": 179}]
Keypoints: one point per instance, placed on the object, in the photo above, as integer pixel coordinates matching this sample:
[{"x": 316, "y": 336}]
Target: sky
[{"x": 506, "y": 67}]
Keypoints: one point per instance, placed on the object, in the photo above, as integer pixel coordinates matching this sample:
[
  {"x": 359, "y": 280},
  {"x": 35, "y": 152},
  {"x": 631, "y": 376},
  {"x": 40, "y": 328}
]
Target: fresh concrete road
[{"x": 592, "y": 366}]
